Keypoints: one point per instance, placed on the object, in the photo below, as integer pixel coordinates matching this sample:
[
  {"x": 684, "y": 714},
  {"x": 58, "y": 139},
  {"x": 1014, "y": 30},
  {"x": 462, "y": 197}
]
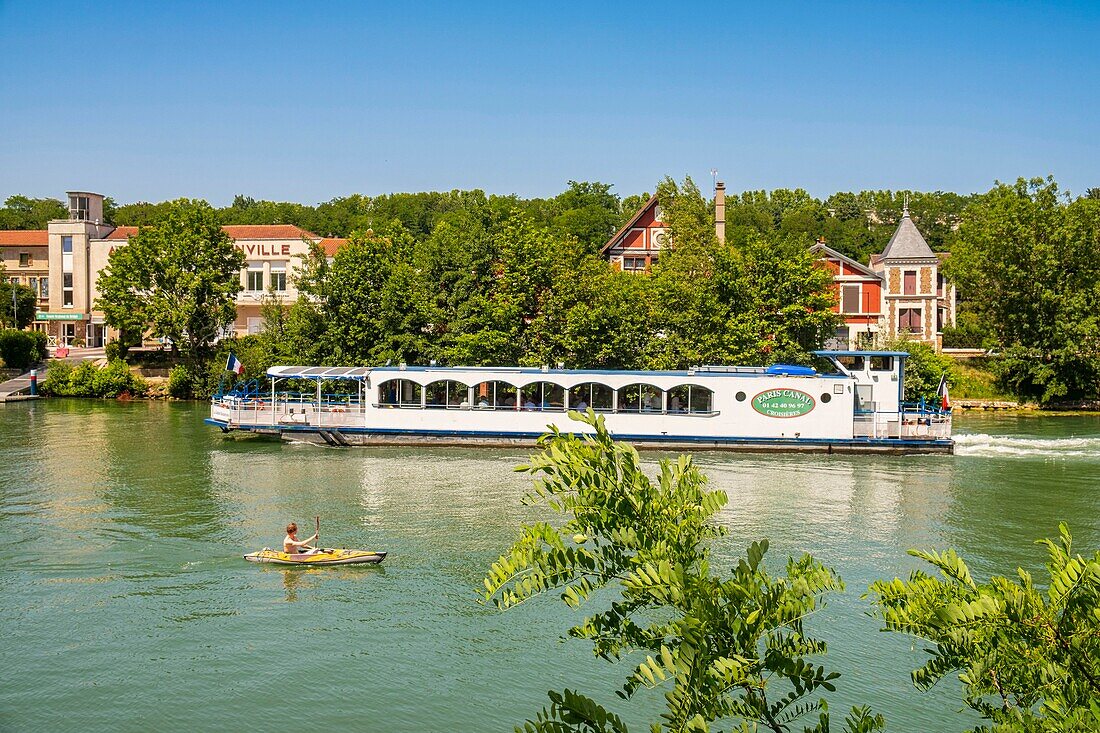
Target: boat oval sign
[{"x": 783, "y": 403}]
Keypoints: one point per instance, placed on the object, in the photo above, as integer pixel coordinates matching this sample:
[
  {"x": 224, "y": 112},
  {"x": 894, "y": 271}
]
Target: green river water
[{"x": 126, "y": 606}]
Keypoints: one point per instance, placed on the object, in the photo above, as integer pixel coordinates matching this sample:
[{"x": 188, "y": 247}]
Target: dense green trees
[
  {"x": 177, "y": 278},
  {"x": 726, "y": 648},
  {"x": 492, "y": 285},
  {"x": 23, "y": 212},
  {"x": 1027, "y": 263}
]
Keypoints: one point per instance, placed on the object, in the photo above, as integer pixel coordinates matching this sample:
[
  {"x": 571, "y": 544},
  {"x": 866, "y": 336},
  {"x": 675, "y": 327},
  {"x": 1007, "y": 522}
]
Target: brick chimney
[{"x": 720, "y": 211}]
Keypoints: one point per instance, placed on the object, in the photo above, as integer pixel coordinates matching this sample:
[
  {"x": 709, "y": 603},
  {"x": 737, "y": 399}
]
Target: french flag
[
  {"x": 941, "y": 392},
  {"x": 233, "y": 364}
]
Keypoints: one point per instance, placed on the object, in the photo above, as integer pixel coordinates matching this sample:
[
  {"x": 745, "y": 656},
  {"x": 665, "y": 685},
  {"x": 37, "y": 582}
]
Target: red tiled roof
[
  {"x": 331, "y": 244},
  {"x": 239, "y": 231},
  {"x": 122, "y": 233},
  {"x": 24, "y": 237}
]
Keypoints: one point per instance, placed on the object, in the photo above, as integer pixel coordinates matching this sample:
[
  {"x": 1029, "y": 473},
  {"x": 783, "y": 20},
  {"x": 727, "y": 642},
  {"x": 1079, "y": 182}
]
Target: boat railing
[{"x": 913, "y": 421}]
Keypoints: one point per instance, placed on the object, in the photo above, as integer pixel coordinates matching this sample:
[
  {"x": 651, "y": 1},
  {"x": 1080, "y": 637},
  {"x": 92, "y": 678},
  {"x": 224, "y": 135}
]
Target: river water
[{"x": 126, "y": 606}]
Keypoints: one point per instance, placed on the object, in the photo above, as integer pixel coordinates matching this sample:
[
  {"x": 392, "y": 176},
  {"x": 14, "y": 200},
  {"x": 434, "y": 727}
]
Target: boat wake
[{"x": 980, "y": 444}]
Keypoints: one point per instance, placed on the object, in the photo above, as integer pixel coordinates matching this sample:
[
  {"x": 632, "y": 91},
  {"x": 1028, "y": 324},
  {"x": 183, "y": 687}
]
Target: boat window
[
  {"x": 446, "y": 393},
  {"x": 591, "y": 394},
  {"x": 399, "y": 393},
  {"x": 852, "y": 362},
  {"x": 495, "y": 395},
  {"x": 543, "y": 396},
  {"x": 882, "y": 363},
  {"x": 640, "y": 398},
  {"x": 690, "y": 398}
]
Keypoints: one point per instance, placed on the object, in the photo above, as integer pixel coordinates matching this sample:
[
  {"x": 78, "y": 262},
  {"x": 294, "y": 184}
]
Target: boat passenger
[
  {"x": 291, "y": 543},
  {"x": 483, "y": 404},
  {"x": 530, "y": 404},
  {"x": 581, "y": 406}
]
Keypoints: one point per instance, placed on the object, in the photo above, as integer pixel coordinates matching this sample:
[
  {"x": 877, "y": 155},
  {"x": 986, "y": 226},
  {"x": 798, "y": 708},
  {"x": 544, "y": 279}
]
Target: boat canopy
[{"x": 318, "y": 372}]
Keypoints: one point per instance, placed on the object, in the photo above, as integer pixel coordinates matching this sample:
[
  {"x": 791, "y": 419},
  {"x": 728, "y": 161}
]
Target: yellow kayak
[{"x": 323, "y": 557}]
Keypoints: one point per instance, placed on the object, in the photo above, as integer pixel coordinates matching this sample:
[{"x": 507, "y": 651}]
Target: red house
[
  {"x": 859, "y": 297},
  {"x": 635, "y": 247}
]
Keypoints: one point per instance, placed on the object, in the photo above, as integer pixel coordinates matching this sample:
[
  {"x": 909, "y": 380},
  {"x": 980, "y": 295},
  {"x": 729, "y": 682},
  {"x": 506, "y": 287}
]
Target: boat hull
[
  {"x": 318, "y": 559},
  {"x": 350, "y": 436}
]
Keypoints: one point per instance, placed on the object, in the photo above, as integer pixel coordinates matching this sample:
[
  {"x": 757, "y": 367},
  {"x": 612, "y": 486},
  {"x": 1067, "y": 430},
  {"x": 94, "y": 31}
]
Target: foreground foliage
[
  {"x": 1028, "y": 658},
  {"x": 726, "y": 649}
]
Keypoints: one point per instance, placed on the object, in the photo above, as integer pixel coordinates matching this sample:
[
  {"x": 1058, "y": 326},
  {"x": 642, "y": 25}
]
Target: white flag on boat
[
  {"x": 941, "y": 393},
  {"x": 233, "y": 364}
]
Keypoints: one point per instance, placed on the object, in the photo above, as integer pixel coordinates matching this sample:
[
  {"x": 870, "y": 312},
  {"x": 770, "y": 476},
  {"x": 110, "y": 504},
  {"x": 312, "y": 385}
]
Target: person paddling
[{"x": 292, "y": 545}]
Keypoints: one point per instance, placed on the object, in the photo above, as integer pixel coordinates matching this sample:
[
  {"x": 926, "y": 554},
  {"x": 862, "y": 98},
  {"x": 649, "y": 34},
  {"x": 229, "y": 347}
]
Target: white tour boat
[{"x": 854, "y": 406}]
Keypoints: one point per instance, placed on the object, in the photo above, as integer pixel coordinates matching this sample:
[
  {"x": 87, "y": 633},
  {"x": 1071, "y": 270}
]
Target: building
[
  {"x": 901, "y": 293},
  {"x": 26, "y": 258},
  {"x": 71, "y": 253},
  {"x": 638, "y": 243},
  {"x": 858, "y": 291}
]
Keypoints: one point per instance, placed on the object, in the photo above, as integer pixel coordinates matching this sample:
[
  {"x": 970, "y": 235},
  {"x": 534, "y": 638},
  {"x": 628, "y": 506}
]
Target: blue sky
[{"x": 308, "y": 101}]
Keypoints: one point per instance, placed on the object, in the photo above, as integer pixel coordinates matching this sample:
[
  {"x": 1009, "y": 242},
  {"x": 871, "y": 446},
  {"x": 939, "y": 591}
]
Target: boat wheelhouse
[{"x": 854, "y": 405}]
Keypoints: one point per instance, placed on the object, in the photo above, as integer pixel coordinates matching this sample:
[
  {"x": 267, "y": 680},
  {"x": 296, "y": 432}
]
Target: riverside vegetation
[
  {"x": 462, "y": 277},
  {"x": 732, "y": 650}
]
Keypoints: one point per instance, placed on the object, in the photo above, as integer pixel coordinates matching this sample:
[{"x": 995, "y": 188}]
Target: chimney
[{"x": 720, "y": 211}]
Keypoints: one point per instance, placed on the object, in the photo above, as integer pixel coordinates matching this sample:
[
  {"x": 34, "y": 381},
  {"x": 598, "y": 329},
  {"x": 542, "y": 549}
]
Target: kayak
[{"x": 324, "y": 557}]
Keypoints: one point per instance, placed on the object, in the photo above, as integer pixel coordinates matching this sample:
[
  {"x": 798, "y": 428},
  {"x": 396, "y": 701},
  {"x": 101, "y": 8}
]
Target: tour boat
[
  {"x": 324, "y": 557},
  {"x": 853, "y": 402}
]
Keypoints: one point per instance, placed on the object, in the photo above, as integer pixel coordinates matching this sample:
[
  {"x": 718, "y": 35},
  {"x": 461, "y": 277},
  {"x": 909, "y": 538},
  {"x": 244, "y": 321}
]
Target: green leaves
[
  {"x": 723, "y": 650},
  {"x": 1028, "y": 660},
  {"x": 178, "y": 278}
]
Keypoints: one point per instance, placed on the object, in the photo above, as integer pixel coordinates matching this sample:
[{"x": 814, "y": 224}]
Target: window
[
  {"x": 543, "y": 396},
  {"x": 939, "y": 285},
  {"x": 909, "y": 320},
  {"x": 399, "y": 393},
  {"x": 940, "y": 314},
  {"x": 447, "y": 393},
  {"x": 634, "y": 264},
  {"x": 66, "y": 245},
  {"x": 882, "y": 363},
  {"x": 32, "y": 283},
  {"x": 67, "y": 289},
  {"x": 44, "y": 288},
  {"x": 909, "y": 282},
  {"x": 851, "y": 362},
  {"x": 255, "y": 279},
  {"x": 590, "y": 394},
  {"x": 496, "y": 394},
  {"x": 849, "y": 299},
  {"x": 278, "y": 277},
  {"x": 640, "y": 398},
  {"x": 690, "y": 398},
  {"x": 78, "y": 207},
  {"x": 24, "y": 259}
]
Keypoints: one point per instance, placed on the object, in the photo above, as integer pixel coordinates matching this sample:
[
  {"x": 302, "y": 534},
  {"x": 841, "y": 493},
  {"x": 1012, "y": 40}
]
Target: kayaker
[{"x": 292, "y": 545}]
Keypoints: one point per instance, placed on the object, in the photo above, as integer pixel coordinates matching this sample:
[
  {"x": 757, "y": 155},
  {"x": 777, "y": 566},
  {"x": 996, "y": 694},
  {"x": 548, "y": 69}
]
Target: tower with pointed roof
[{"x": 917, "y": 301}]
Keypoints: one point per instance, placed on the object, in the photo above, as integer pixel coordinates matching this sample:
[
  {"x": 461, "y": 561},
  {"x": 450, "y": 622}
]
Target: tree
[
  {"x": 1028, "y": 659},
  {"x": 178, "y": 278},
  {"x": 22, "y": 212},
  {"x": 1029, "y": 266},
  {"x": 18, "y": 304},
  {"x": 727, "y": 649}
]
